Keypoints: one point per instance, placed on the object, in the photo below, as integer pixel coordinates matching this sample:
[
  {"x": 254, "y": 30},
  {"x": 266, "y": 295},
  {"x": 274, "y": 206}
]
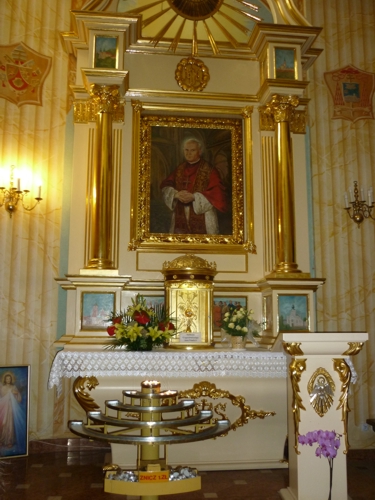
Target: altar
[{"x": 248, "y": 387}]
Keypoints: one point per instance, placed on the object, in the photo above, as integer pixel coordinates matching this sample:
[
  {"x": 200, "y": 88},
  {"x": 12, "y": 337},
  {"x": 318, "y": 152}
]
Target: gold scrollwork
[
  {"x": 86, "y": 111},
  {"x": 206, "y": 389},
  {"x": 321, "y": 388},
  {"x": 296, "y": 368},
  {"x": 343, "y": 370},
  {"x": 293, "y": 348},
  {"x": 354, "y": 348},
  {"x": 80, "y": 385},
  {"x": 192, "y": 74}
]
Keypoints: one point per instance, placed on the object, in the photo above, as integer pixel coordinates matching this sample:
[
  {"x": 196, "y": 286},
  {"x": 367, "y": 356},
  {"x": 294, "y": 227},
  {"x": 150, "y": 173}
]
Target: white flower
[
  {"x": 226, "y": 314},
  {"x": 231, "y": 325},
  {"x": 244, "y": 329},
  {"x": 238, "y": 327}
]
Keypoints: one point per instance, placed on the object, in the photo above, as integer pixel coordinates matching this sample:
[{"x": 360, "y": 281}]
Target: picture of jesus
[
  {"x": 13, "y": 417},
  {"x": 194, "y": 192}
]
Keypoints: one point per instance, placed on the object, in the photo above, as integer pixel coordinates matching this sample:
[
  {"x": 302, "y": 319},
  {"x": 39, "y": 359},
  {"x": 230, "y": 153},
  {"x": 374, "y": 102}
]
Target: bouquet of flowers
[
  {"x": 239, "y": 322},
  {"x": 140, "y": 328}
]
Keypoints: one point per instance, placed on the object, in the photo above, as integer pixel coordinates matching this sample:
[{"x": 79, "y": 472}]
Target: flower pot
[{"x": 238, "y": 343}]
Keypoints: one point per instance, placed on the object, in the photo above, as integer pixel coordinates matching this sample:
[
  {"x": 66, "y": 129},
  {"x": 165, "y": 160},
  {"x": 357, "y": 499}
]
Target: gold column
[
  {"x": 106, "y": 99},
  {"x": 282, "y": 109}
]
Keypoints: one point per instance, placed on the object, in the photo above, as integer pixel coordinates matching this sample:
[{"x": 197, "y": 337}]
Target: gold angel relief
[{"x": 321, "y": 388}]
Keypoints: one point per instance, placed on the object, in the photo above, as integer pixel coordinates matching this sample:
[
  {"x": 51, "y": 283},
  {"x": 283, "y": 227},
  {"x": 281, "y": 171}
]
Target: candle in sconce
[
  {"x": 18, "y": 184},
  {"x": 362, "y": 194},
  {"x": 351, "y": 194},
  {"x": 369, "y": 194},
  {"x": 346, "y": 200},
  {"x": 40, "y": 192}
]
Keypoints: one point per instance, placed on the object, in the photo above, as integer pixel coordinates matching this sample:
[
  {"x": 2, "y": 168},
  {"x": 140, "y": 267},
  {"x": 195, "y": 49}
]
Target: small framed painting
[
  {"x": 96, "y": 308},
  {"x": 223, "y": 305},
  {"x": 293, "y": 313},
  {"x": 285, "y": 63},
  {"x": 106, "y": 52},
  {"x": 14, "y": 411}
]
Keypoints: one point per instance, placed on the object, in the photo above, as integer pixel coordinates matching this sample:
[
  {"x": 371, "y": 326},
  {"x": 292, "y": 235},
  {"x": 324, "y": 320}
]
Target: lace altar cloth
[{"x": 167, "y": 364}]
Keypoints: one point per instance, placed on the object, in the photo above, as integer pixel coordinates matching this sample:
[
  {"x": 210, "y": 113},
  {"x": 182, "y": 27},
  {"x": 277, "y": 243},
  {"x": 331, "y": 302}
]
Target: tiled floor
[{"x": 77, "y": 475}]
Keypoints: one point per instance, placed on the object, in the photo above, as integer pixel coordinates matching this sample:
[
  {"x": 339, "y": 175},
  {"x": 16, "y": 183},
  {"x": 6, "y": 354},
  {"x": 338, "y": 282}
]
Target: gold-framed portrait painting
[{"x": 188, "y": 181}]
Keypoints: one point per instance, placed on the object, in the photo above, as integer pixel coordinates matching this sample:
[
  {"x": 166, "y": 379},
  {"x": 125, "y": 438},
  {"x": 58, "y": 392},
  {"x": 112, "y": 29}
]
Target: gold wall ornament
[
  {"x": 205, "y": 389},
  {"x": 343, "y": 370},
  {"x": 293, "y": 348},
  {"x": 296, "y": 368},
  {"x": 189, "y": 299},
  {"x": 101, "y": 185},
  {"x": 268, "y": 124},
  {"x": 80, "y": 386},
  {"x": 282, "y": 109},
  {"x": 192, "y": 74},
  {"x": 354, "y": 348},
  {"x": 321, "y": 389}
]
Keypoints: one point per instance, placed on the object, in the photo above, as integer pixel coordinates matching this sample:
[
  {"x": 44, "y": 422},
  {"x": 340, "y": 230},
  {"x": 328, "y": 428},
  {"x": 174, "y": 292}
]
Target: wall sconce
[
  {"x": 359, "y": 210},
  {"x": 11, "y": 196}
]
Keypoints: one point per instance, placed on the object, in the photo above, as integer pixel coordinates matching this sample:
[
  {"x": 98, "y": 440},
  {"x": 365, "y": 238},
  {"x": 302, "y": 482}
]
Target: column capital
[
  {"x": 107, "y": 97},
  {"x": 282, "y": 107}
]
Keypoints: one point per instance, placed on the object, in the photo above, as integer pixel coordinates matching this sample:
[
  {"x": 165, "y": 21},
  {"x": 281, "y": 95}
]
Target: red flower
[
  {"x": 111, "y": 330},
  {"x": 117, "y": 320},
  {"x": 141, "y": 317},
  {"x": 163, "y": 326}
]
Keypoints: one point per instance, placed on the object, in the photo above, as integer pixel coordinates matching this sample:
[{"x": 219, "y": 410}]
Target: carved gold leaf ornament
[
  {"x": 296, "y": 368},
  {"x": 321, "y": 388},
  {"x": 354, "y": 348},
  {"x": 343, "y": 370},
  {"x": 205, "y": 389},
  {"x": 293, "y": 348},
  {"x": 80, "y": 386},
  {"x": 192, "y": 74}
]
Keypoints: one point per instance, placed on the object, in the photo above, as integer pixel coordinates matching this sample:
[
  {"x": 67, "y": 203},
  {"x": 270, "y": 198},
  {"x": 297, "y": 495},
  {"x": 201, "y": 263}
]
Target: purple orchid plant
[{"x": 328, "y": 444}]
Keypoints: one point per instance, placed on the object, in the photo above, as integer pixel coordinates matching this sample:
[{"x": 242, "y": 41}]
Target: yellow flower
[
  {"x": 154, "y": 332},
  {"x": 134, "y": 331}
]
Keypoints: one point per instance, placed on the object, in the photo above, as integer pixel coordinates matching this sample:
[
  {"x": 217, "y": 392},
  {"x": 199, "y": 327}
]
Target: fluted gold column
[
  {"x": 101, "y": 187},
  {"x": 282, "y": 109}
]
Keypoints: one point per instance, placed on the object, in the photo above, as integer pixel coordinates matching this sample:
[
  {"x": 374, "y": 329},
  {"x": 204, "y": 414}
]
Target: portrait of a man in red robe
[
  {"x": 191, "y": 181},
  {"x": 194, "y": 192}
]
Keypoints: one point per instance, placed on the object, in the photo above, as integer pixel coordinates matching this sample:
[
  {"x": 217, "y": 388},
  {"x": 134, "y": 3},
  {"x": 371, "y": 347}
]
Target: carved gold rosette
[
  {"x": 203, "y": 390},
  {"x": 192, "y": 74}
]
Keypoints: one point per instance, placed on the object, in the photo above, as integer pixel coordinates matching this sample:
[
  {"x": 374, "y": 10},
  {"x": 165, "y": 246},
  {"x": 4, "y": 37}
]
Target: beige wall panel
[
  {"x": 342, "y": 152},
  {"x": 158, "y": 72}
]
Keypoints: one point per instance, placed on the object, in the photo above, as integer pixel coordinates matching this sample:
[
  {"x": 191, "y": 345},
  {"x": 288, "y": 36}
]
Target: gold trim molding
[{"x": 85, "y": 111}]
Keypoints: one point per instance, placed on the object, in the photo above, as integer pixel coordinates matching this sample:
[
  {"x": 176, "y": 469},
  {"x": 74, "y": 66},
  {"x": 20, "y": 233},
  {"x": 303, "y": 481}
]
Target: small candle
[
  {"x": 370, "y": 196},
  {"x": 346, "y": 200},
  {"x": 351, "y": 194},
  {"x": 18, "y": 184},
  {"x": 362, "y": 194},
  {"x": 40, "y": 192}
]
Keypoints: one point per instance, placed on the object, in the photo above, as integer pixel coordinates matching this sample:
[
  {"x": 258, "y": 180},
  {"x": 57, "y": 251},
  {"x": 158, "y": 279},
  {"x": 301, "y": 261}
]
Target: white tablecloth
[{"x": 162, "y": 363}]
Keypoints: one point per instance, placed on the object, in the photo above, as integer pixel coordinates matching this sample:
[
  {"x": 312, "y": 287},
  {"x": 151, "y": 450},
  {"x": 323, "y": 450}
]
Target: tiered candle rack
[{"x": 139, "y": 419}]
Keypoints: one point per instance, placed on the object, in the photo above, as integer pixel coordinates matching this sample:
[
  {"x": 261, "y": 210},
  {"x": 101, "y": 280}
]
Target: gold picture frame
[{"x": 158, "y": 134}]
